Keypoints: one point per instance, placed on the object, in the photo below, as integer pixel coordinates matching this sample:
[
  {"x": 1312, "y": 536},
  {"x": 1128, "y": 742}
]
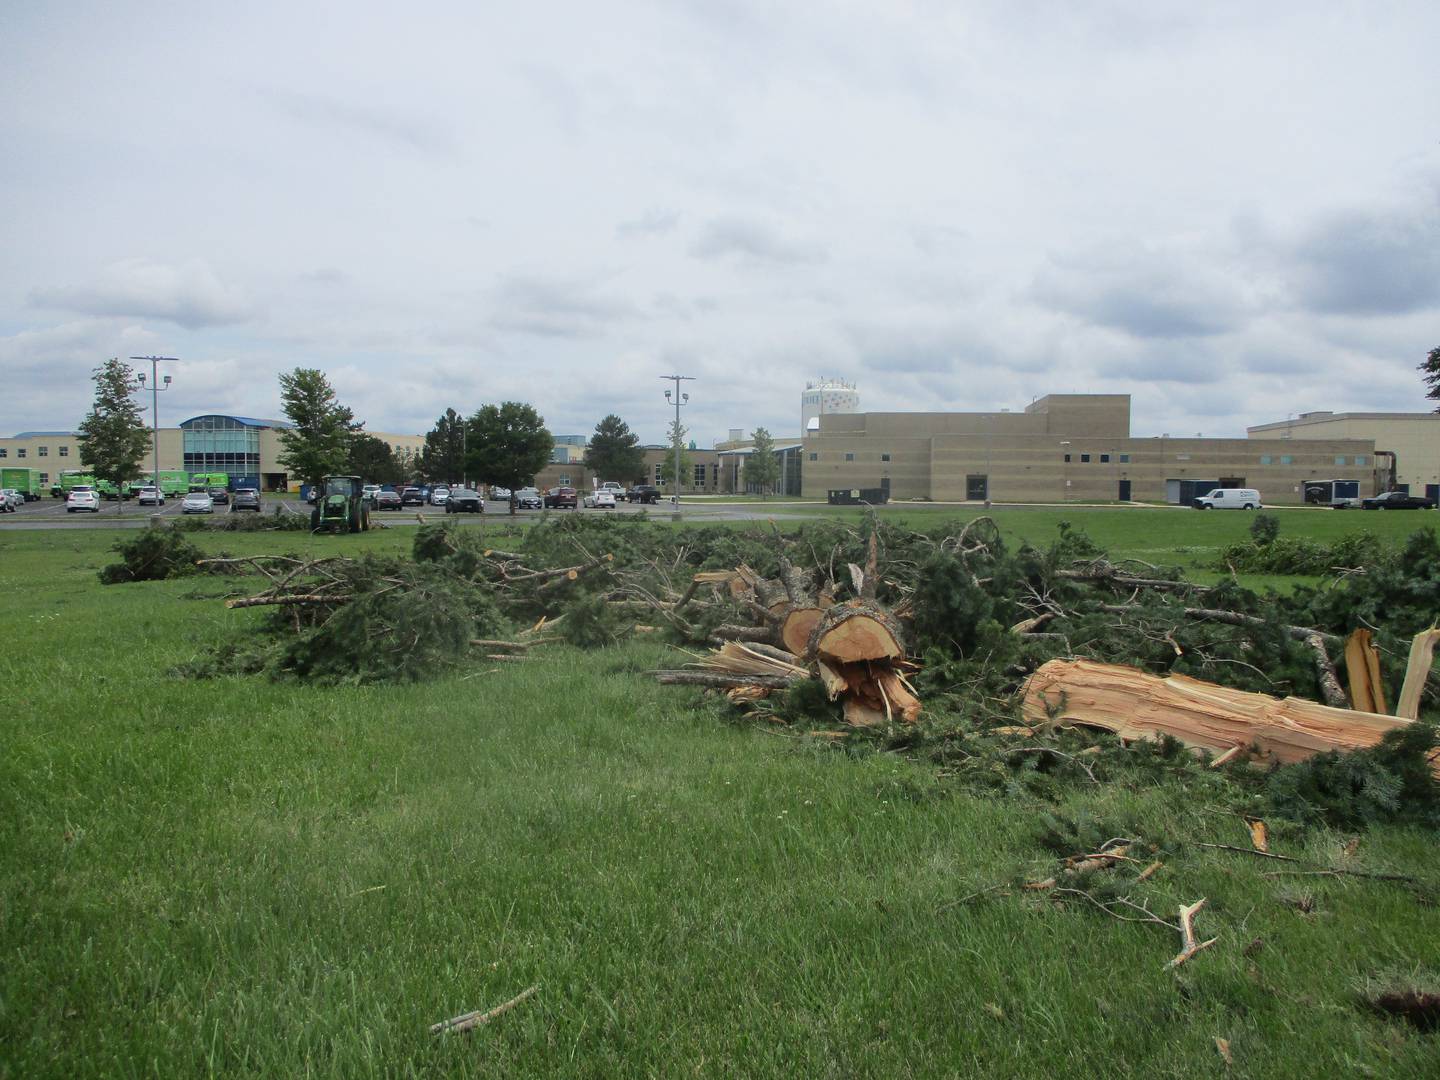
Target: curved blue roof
[
  {"x": 45, "y": 434},
  {"x": 248, "y": 421}
]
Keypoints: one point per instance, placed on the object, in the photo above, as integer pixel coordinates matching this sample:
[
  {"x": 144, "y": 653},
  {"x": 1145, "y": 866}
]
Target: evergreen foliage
[
  {"x": 444, "y": 455},
  {"x": 507, "y": 444},
  {"x": 371, "y": 459},
  {"x": 761, "y": 468},
  {"x": 318, "y": 445},
  {"x": 1430, "y": 368},
  {"x": 591, "y": 623},
  {"x": 152, "y": 555},
  {"x": 614, "y": 452},
  {"x": 113, "y": 439},
  {"x": 1390, "y": 782},
  {"x": 1264, "y": 529}
]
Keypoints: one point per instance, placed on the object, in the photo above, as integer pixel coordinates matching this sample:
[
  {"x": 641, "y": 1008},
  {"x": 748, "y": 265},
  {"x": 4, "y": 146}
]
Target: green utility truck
[
  {"x": 341, "y": 506},
  {"x": 68, "y": 479},
  {"x": 207, "y": 480},
  {"x": 25, "y": 481}
]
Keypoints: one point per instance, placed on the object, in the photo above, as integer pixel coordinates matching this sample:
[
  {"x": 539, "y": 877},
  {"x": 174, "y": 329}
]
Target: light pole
[
  {"x": 155, "y": 389},
  {"x": 1065, "y": 450},
  {"x": 679, "y": 399},
  {"x": 989, "y": 438}
]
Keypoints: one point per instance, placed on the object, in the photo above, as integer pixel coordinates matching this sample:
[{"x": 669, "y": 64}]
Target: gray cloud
[
  {"x": 379, "y": 122},
  {"x": 190, "y": 295},
  {"x": 556, "y": 307},
  {"x": 1366, "y": 263},
  {"x": 753, "y": 241},
  {"x": 651, "y": 223}
]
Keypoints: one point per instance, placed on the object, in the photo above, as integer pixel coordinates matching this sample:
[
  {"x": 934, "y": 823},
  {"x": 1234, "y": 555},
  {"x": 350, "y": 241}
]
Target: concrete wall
[{"x": 1414, "y": 437}]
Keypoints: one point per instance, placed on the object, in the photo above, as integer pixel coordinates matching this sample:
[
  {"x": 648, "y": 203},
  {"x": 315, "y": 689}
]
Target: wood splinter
[
  {"x": 466, "y": 1021},
  {"x": 1189, "y": 944}
]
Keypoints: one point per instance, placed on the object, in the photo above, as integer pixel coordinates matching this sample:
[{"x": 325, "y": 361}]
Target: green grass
[{"x": 239, "y": 877}]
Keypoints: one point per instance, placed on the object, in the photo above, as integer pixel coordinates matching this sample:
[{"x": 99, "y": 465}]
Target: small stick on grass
[
  {"x": 1190, "y": 945},
  {"x": 466, "y": 1021}
]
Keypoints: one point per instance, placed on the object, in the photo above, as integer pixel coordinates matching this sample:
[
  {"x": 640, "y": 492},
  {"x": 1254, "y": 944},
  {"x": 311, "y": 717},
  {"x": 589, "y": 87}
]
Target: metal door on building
[
  {"x": 977, "y": 488},
  {"x": 1124, "y": 491}
]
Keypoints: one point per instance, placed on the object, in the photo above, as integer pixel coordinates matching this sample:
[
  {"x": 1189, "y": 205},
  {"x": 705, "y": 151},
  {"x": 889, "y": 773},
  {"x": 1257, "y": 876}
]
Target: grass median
[{"x": 238, "y": 876}]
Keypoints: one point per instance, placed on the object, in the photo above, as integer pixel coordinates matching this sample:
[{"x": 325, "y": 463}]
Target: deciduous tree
[
  {"x": 687, "y": 462},
  {"x": 371, "y": 459},
  {"x": 319, "y": 443},
  {"x": 1431, "y": 370},
  {"x": 507, "y": 444},
  {"x": 761, "y": 468},
  {"x": 112, "y": 435},
  {"x": 614, "y": 452}
]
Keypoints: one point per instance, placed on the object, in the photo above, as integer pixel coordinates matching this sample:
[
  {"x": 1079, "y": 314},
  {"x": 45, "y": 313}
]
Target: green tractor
[{"x": 340, "y": 507}]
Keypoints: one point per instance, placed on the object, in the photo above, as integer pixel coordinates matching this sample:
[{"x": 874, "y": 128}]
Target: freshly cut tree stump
[
  {"x": 799, "y": 624},
  {"x": 857, "y": 630},
  {"x": 1199, "y": 714}
]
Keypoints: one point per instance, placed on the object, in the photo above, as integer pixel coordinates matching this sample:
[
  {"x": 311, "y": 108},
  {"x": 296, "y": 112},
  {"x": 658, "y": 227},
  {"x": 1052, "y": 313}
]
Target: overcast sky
[{"x": 1231, "y": 212}]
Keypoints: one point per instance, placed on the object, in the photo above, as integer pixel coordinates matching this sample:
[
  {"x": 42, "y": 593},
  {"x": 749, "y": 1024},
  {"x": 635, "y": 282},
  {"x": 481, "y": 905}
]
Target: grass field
[{"x": 245, "y": 878}]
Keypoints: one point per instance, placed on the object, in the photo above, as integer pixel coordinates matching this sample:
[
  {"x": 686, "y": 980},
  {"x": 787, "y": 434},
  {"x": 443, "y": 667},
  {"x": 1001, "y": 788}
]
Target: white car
[
  {"x": 438, "y": 495},
  {"x": 369, "y": 491},
  {"x": 198, "y": 502},
  {"x": 82, "y": 498},
  {"x": 618, "y": 490},
  {"x": 603, "y": 499},
  {"x": 150, "y": 496},
  {"x": 10, "y": 500},
  {"x": 500, "y": 493}
]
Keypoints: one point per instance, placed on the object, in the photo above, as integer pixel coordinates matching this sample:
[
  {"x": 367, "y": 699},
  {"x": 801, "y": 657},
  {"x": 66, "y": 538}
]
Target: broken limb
[{"x": 1190, "y": 944}]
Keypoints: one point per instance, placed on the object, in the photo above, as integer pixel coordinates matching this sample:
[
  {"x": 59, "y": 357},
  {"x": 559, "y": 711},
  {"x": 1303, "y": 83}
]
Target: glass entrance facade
[{"x": 220, "y": 444}]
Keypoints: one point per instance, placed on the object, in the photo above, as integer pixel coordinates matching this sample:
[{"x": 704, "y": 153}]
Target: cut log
[
  {"x": 1362, "y": 671},
  {"x": 1202, "y": 715},
  {"x": 905, "y": 705},
  {"x": 799, "y": 624},
  {"x": 859, "y": 713},
  {"x": 835, "y": 683},
  {"x": 855, "y": 631}
]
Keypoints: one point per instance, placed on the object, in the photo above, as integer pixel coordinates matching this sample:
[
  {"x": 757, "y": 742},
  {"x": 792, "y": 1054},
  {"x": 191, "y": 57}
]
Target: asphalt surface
[{"x": 51, "y": 513}]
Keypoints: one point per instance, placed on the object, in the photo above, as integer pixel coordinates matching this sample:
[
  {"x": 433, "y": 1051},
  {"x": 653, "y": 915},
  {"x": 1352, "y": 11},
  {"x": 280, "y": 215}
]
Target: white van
[{"x": 1229, "y": 499}]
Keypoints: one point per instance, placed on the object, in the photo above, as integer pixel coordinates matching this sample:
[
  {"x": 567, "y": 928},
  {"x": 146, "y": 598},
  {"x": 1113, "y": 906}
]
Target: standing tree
[
  {"x": 319, "y": 443},
  {"x": 507, "y": 445},
  {"x": 444, "y": 454},
  {"x": 1431, "y": 370},
  {"x": 761, "y": 468},
  {"x": 667, "y": 467},
  {"x": 113, "y": 436},
  {"x": 371, "y": 458},
  {"x": 614, "y": 452},
  {"x": 409, "y": 467}
]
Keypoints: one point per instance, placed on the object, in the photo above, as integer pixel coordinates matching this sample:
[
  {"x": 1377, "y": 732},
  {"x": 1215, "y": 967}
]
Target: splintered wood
[{"x": 1199, "y": 714}]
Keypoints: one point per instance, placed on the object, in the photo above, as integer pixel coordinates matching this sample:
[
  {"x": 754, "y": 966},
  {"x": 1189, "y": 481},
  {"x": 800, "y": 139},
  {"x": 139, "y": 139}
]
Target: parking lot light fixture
[
  {"x": 155, "y": 389},
  {"x": 679, "y": 399}
]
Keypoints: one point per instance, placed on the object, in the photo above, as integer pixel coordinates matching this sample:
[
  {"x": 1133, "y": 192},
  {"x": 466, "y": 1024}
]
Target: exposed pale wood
[
  {"x": 901, "y": 699},
  {"x": 1362, "y": 672},
  {"x": 872, "y": 571},
  {"x": 835, "y": 683},
  {"x": 293, "y": 598},
  {"x": 1329, "y": 682},
  {"x": 1190, "y": 944},
  {"x": 856, "y": 631},
  {"x": 1417, "y": 670},
  {"x": 466, "y": 1021},
  {"x": 745, "y": 633},
  {"x": 1259, "y": 835},
  {"x": 1027, "y": 626},
  {"x": 1202, "y": 715},
  {"x": 859, "y": 713},
  {"x": 799, "y": 624}
]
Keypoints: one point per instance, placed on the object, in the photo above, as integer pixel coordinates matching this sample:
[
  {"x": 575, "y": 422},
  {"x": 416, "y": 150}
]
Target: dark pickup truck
[
  {"x": 1397, "y": 500},
  {"x": 643, "y": 493}
]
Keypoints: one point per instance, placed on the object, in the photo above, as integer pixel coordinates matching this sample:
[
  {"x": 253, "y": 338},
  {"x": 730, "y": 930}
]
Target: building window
[
  {"x": 1104, "y": 459},
  {"x": 44, "y": 478},
  {"x": 1124, "y": 459},
  {"x": 1287, "y": 459},
  {"x": 44, "y": 452},
  {"x": 658, "y": 467},
  {"x": 20, "y": 451},
  {"x": 699, "y": 475},
  {"x": 564, "y": 481},
  {"x": 1359, "y": 459},
  {"x": 884, "y": 457},
  {"x": 1339, "y": 459},
  {"x": 64, "y": 451},
  {"x": 814, "y": 457},
  {"x": 849, "y": 457},
  {"x": 1067, "y": 457},
  {"x": 6, "y": 453},
  {"x": 1266, "y": 459},
  {"x": 1084, "y": 459}
]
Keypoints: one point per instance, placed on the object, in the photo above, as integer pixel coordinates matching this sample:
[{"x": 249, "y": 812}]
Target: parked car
[
  {"x": 529, "y": 499},
  {"x": 412, "y": 496},
  {"x": 463, "y": 500},
  {"x": 83, "y": 497},
  {"x": 1229, "y": 499},
  {"x": 245, "y": 499},
  {"x": 498, "y": 493},
  {"x": 10, "y": 500},
  {"x": 220, "y": 496},
  {"x": 604, "y": 499},
  {"x": 198, "y": 502},
  {"x": 386, "y": 499},
  {"x": 150, "y": 496},
  {"x": 618, "y": 490},
  {"x": 1397, "y": 500},
  {"x": 369, "y": 491},
  {"x": 561, "y": 498},
  {"x": 438, "y": 495},
  {"x": 643, "y": 493}
]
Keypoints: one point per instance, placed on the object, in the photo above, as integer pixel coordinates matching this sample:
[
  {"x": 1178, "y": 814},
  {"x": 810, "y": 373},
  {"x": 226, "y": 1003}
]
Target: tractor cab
[{"x": 341, "y": 506}]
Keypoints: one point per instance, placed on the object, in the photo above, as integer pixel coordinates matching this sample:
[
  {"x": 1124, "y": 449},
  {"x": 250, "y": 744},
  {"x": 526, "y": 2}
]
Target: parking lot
[{"x": 50, "y": 513}]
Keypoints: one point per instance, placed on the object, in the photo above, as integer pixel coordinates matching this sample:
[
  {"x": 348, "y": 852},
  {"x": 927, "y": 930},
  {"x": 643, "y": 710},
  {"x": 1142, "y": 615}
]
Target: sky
[{"x": 1229, "y": 211}]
